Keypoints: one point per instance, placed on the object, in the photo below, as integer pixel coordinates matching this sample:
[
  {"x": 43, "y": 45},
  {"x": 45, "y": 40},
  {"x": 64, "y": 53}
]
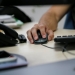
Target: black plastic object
[
  {"x": 9, "y": 31},
  {"x": 65, "y": 39},
  {"x": 4, "y": 54},
  {"x": 22, "y": 38},
  {"x": 12, "y": 10},
  {"x": 40, "y": 40},
  {"x": 10, "y": 37}
]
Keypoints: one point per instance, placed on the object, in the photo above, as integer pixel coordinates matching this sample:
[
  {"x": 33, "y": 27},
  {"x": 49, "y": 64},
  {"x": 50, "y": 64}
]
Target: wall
[{"x": 35, "y": 13}]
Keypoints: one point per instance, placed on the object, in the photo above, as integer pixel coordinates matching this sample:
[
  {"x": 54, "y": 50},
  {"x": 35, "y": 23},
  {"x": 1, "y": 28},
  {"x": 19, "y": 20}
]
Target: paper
[{"x": 3, "y": 17}]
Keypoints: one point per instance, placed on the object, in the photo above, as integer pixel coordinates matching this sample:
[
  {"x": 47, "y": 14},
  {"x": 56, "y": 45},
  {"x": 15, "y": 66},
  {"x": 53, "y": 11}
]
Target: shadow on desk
[{"x": 69, "y": 47}]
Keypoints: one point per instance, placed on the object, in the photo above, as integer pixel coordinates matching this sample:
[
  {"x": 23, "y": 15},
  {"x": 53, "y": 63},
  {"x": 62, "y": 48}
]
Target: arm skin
[
  {"x": 48, "y": 22},
  {"x": 54, "y": 15}
]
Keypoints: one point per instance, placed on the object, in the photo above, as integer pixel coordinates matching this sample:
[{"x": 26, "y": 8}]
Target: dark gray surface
[
  {"x": 59, "y": 68},
  {"x": 21, "y": 61}
]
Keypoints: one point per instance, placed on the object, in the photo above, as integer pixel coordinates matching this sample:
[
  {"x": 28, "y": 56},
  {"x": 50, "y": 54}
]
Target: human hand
[{"x": 44, "y": 29}]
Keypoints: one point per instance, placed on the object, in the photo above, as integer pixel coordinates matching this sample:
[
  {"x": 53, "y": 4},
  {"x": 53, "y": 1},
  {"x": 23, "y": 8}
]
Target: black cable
[
  {"x": 63, "y": 48},
  {"x": 64, "y": 55},
  {"x": 50, "y": 47},
  {"x": 68, "y": 51}
]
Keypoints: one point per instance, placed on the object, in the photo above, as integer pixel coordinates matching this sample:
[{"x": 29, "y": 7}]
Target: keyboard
[{"x": 65, "y": 39}]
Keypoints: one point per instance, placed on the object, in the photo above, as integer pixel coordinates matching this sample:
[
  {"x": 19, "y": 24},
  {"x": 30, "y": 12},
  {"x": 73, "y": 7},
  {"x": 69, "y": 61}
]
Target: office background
[{"x": 35, "y": 13}]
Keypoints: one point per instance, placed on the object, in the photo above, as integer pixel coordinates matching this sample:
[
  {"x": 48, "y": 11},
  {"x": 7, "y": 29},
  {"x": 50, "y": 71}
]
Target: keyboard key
[
  {"x": 58, "y": 36},
  {"x": 64, "y": 36},
  {"x": 69, "y": 35}
]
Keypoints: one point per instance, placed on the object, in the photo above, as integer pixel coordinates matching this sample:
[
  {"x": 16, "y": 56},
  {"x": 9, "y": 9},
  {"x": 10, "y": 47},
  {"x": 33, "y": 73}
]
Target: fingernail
[
  {"x": 35, "y": 38},
  {"x": 44, "y": 36},
  {"x": 31, "y": 41}
]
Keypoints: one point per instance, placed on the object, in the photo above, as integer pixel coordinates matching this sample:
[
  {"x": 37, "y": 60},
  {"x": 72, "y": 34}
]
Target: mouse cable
[
  {"x": 57, "y": 48},
  {"x": 68, "y": 51},
  {"x": 62, "y": 47},
  {"x": 64, "y": 55}
]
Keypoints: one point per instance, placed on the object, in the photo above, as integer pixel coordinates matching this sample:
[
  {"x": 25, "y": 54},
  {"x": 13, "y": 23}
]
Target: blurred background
[
  {"x": 35, "y": 13},
  {"x": 36, "y": 8}
]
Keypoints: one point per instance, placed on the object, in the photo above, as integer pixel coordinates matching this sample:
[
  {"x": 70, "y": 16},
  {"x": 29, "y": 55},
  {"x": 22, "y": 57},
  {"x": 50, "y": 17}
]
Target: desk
[{"x": 38, "y": 54}]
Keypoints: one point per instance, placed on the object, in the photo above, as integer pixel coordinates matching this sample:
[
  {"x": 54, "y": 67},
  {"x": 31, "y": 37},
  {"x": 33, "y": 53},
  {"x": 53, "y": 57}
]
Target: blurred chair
[{"x": 69, "y": 21}]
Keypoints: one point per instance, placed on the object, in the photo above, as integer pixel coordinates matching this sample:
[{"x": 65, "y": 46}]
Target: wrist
[{"x": 49, "y": 20}]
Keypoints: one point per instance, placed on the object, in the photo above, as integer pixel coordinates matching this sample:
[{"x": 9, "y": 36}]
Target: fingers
[
  {"x": 42, "y": 29},
  {"x": 50, "y": 35},
  {"x": 32, "y": 34},
  {"x": 29, "y": 36}
]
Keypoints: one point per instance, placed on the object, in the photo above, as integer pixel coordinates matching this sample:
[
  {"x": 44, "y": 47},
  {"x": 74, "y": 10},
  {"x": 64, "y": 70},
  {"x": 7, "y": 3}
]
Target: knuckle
[
  {"x": 33, "y": 28},
  {"x": 35, "y": 25},
  {"x": 28, "y": 31},
  {"x": 41, "y": 26}
]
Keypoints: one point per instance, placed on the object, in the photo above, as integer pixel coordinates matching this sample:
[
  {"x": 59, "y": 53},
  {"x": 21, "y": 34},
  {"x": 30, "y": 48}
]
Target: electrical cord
[
  {"x": 64, "y": 55},
  {"x": 62, "y": 47},
  {"x": 68, "y": 51},
  {"x": 50, "y": 47}
]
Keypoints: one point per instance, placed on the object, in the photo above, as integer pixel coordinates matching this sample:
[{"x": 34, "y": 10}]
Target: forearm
[
  {"x": 60, "y": 10},
  {"x": 54, "y": 15},
  {"x": 50, "y": 20}
]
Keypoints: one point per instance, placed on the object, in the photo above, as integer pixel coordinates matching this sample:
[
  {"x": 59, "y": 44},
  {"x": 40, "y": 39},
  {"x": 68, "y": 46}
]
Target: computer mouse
[{"x": 40, "y": 40}]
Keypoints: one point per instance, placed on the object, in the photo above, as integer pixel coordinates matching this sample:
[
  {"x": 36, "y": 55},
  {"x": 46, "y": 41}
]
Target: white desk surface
[{"x": 38, "y": 54}]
